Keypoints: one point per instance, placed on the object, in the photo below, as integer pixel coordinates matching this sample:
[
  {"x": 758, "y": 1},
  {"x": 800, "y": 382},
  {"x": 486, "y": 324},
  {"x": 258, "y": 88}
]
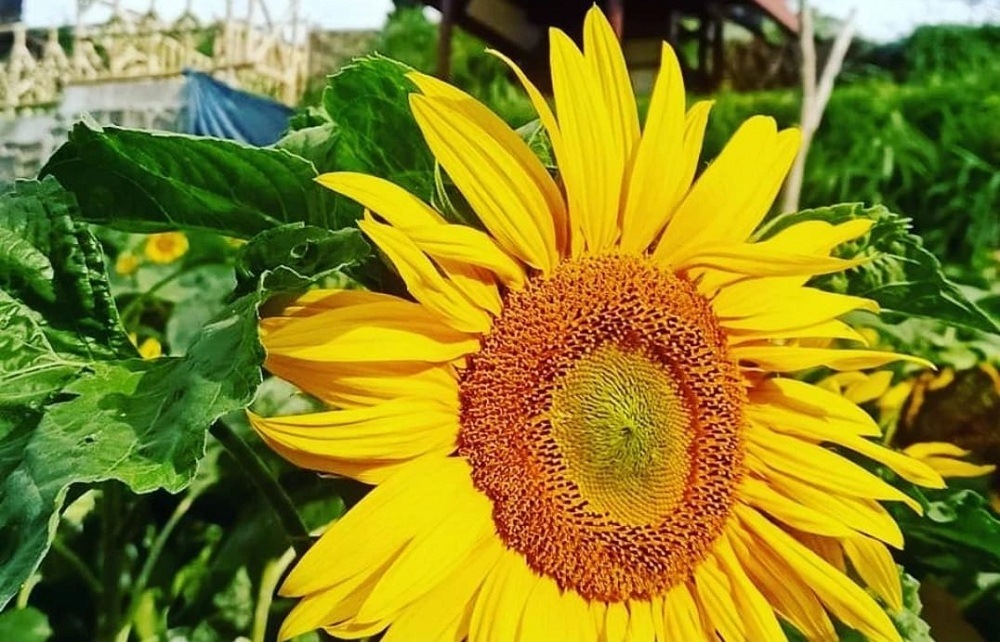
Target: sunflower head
[{"x": 582, "y": 425}]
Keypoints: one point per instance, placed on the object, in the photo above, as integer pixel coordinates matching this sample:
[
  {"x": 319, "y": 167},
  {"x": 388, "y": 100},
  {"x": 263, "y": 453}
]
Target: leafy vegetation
[{"x": 136, "y": 502}]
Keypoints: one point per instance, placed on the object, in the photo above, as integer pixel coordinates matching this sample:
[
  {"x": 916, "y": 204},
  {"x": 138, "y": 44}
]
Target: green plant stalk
[
  {"x": 268, "y": 486},
  {"x": 274, "y": 570},
  {"x": 135, "y": 305},
  {"x": 142, "y": 580},
  {"x": 78, "y": 565},
  {"x": 25, "y": 592},
  {"x": 111, "y": 556}
]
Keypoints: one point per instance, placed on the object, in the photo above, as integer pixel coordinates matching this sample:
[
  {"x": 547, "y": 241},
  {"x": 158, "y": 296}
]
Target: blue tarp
[{"x": 215, "y": 109}]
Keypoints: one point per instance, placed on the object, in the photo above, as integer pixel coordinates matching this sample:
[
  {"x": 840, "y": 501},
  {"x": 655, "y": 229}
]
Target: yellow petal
[
  {"x": 764, "y": 497},
  {"x": 844, "y": 598},
  {"x": 715, "y": 596},
  {"x": 659, "y": 628},
  {"x": 580, "y": 625},
  {"x": 424, "y": 226},
  {"x": 793, "y": 358},
  {"x": 443, "y": 613},
  {"x": 681, "y": 619},
  {"x": 366, "y": 471},
  {"x": 640, "y": 621},
  {"x": 863, "y": 515},
  {"x": 935, "y": 448},
  {"x": 382, "y": 328},
  {"x": 567, "y": 164},
  {"x": 875, "y": 565},
  {"x": 732, "y": 196},
  {"x": 756, "y": 259},
  {"x": 907, "y": 467},
  {"x": 500, "y": 603},
  {"x": 604, "y": 54},
  {"x": 507, "y": 137},
  {"x": 818, "y": 236},
  {"x": 755, "y": 611},
  {"x": 818, "y": 466},
  {"x": 776, "y": 306},
  {"x": 785, "y": 591},
  {"x": 615, "y": 622},
  {"x": 502, "y": 192},
  {"x": 655, "y": 185},
  {"x": 350, "y": 385},
  {"x": 826, "y": 330},
  {"x": 463, "y": 244},
  {"x": 390, "y": 201},
  {"x": 329, "y": 605},
  {"x": 807, "y": 398},
  {"x": 377, "y": 528},
  {"x": 424, "y": 281},
  {"x": 397, "y": 429},
  {"x": 475, "y": 283},
  {"x": 947, "y": 467},
  {"x": 433, "y": 555},
  {"x": 545, "y": 113},
  {"x": 551, "y": 615},
  {"x": 870, "y": 388},
  {"x": 592, "y": 167}
]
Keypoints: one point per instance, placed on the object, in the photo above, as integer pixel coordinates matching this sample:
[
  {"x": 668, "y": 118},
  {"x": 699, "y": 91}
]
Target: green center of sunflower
[{"x": 623, "y": 431}]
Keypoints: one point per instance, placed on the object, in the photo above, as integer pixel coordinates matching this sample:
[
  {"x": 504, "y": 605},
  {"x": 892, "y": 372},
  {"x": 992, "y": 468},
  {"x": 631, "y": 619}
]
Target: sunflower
[{"x": 582, "y": 427}]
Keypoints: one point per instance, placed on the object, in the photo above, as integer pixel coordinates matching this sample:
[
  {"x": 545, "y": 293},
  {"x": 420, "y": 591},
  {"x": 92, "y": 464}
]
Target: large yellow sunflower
[{"x": 581, "y": 428}]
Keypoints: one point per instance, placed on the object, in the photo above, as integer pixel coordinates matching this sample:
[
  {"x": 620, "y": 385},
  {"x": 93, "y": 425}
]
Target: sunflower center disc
[
  {"x": 603, "y": 418},
  {"x": 621, "y": 426}
]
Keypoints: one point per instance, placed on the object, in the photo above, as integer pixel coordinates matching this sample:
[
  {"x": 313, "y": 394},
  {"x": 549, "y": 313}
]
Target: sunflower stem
[{"x": 266, "y": 484}]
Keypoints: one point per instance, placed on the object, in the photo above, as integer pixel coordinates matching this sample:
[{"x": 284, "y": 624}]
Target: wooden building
[{"x": 694, "y": 27}]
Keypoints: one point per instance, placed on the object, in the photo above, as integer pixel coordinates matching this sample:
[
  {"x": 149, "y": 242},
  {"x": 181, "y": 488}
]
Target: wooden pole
[
  {"x": 444, "y": 39},
  {"x": 814, "y": 95},
  {"x": 616, "y": 16}
]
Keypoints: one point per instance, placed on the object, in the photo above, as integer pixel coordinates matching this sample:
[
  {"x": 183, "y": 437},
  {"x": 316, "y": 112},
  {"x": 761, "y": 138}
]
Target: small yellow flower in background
[
  {"x": 150, "y": 348},
  {"x": 583, "y": 425},
  {"x": 127, "y": 263},
  {"x": 945, "y": 458},
  {"x": 166, "y": 247}
]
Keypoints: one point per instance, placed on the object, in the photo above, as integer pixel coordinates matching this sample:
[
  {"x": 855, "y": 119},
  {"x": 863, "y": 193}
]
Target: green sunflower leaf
[
  {"x": 152, "y": 181},
  {"x": 76, "y": 405},
  {"x": 294, "y": 256},
  {"x": 317, "y": 144},
  {"x": 25, "y": 625},
  {"x": 368, "y": 100},
  {"x": 908, "y": 622},
  {"x": 902, "y": 276},
  {"x": 957, "y": 534}
]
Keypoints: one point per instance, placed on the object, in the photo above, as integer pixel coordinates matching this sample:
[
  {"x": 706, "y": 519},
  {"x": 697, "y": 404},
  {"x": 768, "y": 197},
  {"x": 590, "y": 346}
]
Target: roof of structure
[{"x": 518, "y": 26}]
